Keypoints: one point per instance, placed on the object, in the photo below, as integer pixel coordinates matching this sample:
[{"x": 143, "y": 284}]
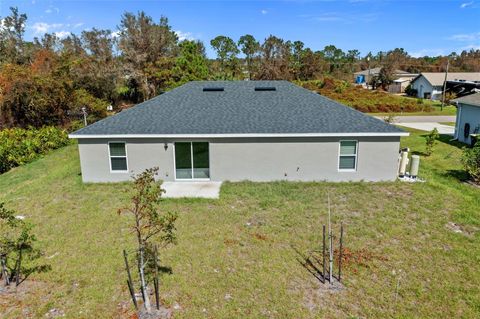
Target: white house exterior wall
[
  {"x": 255, "y": 159},
  {"x": 466, "y": 114},
  {"x": 423, "y": 86}
]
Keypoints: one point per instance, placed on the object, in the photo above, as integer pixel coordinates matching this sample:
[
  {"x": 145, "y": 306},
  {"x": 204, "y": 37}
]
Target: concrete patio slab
[
  {"x": 191, "y": 189},
  {"x": 428, "y": 126}
]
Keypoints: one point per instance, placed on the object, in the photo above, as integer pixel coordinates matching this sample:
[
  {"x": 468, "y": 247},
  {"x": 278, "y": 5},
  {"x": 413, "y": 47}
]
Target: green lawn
[{"x": 237, "y": 257}]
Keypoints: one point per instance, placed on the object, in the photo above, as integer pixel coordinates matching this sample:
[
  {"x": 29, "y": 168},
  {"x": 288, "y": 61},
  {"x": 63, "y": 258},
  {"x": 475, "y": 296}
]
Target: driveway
[
  {"x": 422, "y": 118},
  {"x": 428, "y": 126},
  {"x": 191, "y": 189},
  {"x": 426, "y": 123}
]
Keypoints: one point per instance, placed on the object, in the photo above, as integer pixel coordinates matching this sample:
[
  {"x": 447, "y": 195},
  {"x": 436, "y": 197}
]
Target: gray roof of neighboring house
[
  {"x": 239, "y": 109},
  {"x": 437, "y": 78},
  {"x": 472, "y": 99}
]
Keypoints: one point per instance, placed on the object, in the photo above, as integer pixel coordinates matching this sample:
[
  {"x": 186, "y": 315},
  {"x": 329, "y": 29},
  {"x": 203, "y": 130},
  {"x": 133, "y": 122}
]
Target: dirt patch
[
  {"x": 460, "y": 229},
  {"x": 231, "y": 242},
  {"x": 260, "y": 236},
  {"x": 318, "y": 295},
  {"x": 16, "y": 300},
  {"x": 361, "y": 257}
]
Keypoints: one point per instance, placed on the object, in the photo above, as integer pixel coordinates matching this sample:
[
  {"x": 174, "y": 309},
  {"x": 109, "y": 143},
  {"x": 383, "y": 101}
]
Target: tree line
[{"x": 49, "y": 80}]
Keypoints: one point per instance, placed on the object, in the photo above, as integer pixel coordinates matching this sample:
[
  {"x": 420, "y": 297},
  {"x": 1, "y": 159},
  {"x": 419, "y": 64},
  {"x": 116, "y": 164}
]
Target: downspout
[{"x": 457, "y": 121}]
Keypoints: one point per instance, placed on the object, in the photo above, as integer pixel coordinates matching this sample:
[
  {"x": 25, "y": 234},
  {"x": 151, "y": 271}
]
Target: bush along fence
[{"x": 19, "y": 146}]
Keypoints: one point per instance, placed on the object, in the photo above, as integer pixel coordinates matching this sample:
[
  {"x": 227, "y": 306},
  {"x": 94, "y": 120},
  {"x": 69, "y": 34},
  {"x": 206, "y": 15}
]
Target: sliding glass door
[{"x": 192, "y": 160}]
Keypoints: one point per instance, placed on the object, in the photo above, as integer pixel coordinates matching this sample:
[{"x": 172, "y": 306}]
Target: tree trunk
[{"x": 148, "y": 307}]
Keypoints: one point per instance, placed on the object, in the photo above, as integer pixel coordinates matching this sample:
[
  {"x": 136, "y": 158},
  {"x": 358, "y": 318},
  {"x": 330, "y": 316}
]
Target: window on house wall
[
  {"x": 118, "y": 156},
  {"x": 348, "y": 155}
]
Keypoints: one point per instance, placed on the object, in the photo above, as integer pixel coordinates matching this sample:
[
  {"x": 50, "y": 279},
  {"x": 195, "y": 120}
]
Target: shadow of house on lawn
[
  {"x": 458, "y": 174},
  {"x": 448, "y": 139}
]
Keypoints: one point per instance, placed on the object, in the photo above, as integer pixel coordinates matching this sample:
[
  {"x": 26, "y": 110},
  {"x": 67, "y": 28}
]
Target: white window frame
[
  {"x": 191, "y": 158},
  {"x": 116, "y": 156},
  {"x": 340, "y": 155}
]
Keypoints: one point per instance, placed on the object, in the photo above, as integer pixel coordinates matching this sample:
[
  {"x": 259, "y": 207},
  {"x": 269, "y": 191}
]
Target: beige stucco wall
[{"x": 256, "y": 159}]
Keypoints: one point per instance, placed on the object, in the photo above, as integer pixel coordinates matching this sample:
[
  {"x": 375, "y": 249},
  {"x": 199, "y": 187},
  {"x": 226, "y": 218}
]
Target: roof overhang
[{"x": 167, "y": 136}]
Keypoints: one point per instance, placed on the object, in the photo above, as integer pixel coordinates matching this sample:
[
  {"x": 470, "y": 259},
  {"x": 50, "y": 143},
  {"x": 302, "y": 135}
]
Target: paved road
[
  {"x": 428, "y": 126},
  {"x": 423, "y": 119}
]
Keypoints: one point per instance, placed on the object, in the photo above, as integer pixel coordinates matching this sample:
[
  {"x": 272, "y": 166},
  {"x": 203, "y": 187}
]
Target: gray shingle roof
[
  {"x": 239, "y": 109},
  {"x": 471, "y": 99}
]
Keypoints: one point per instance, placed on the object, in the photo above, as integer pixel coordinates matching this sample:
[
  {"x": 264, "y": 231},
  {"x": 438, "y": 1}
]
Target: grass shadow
[
  {"x": 309, "y": 263},
  {"x": 423, "y": 154},
  {"x": 458, "y": 174}
]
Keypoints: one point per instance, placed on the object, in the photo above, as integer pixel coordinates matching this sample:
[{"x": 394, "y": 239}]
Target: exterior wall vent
[
  {"x": 213, "y": 89},
  {"x": 265, "y": 88}
]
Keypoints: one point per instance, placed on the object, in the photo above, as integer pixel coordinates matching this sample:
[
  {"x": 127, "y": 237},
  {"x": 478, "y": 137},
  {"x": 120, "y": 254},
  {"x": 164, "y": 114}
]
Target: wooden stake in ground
[
  {"x": 324, "y": 258},
  {"x": 330, "y": 237},
  {"x": 155, "y": 281},
  {"x": 340, "y": 254},
  {"x": 129, "y": 280}
]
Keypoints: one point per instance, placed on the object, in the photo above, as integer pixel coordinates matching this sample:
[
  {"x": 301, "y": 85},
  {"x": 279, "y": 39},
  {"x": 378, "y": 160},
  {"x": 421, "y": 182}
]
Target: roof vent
[
  {"x": 213, "y": 89},
  {"x": 265, "y": 88}
]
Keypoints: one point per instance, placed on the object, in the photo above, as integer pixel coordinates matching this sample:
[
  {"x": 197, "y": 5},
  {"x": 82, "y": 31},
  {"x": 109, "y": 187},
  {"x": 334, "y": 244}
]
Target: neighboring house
[
  {"x": 429, "y": 85},
  {"x": 240, "y": 130},
  {"x": 365, "y": 76},
  {"x": 468, "y": 117},
  {"x": 399, "y": 85}
]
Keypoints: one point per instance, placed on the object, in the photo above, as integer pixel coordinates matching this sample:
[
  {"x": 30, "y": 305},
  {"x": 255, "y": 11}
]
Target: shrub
[
  {"x": 341, "y": 86},
  {"x": 390, "y": 118},
  {"x": 364, "y": 100},
  {"x": 19, "y": 146},
  {"x": 410, "y": 91},
  {"x": 431, "y": 139},
  {"x": 449, "y": 96},
  {"x": 471, "y": 162},
  {"x": 17, "y": 247}
]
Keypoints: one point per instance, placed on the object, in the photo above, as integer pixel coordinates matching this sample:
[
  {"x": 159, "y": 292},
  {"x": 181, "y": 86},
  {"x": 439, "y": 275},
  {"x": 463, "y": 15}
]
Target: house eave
[{"x": 172, "y": 136}]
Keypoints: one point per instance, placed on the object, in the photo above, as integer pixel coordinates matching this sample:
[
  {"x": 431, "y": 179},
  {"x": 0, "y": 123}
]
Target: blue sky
[{"x": 420, "y": 27}]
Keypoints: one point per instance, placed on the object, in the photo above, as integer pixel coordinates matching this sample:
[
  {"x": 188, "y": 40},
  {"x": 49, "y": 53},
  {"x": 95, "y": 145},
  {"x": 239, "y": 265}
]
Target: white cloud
[
  {"x": 115, "y": 34},
  {"x": 51, "y": 9},
  {"x": 475, "y": 36},
  {"x": 77, "y": 25},
  {"x": 263, "y": 11},
  {"x": 184, "y": 35},
  {"x": 466, "y": 4},
  {"x": 471, "y": 47},
  {"x": 62, "y": 34},
  {"x": 43, "y": 27},
  {"x": 428, "y": 52}
]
